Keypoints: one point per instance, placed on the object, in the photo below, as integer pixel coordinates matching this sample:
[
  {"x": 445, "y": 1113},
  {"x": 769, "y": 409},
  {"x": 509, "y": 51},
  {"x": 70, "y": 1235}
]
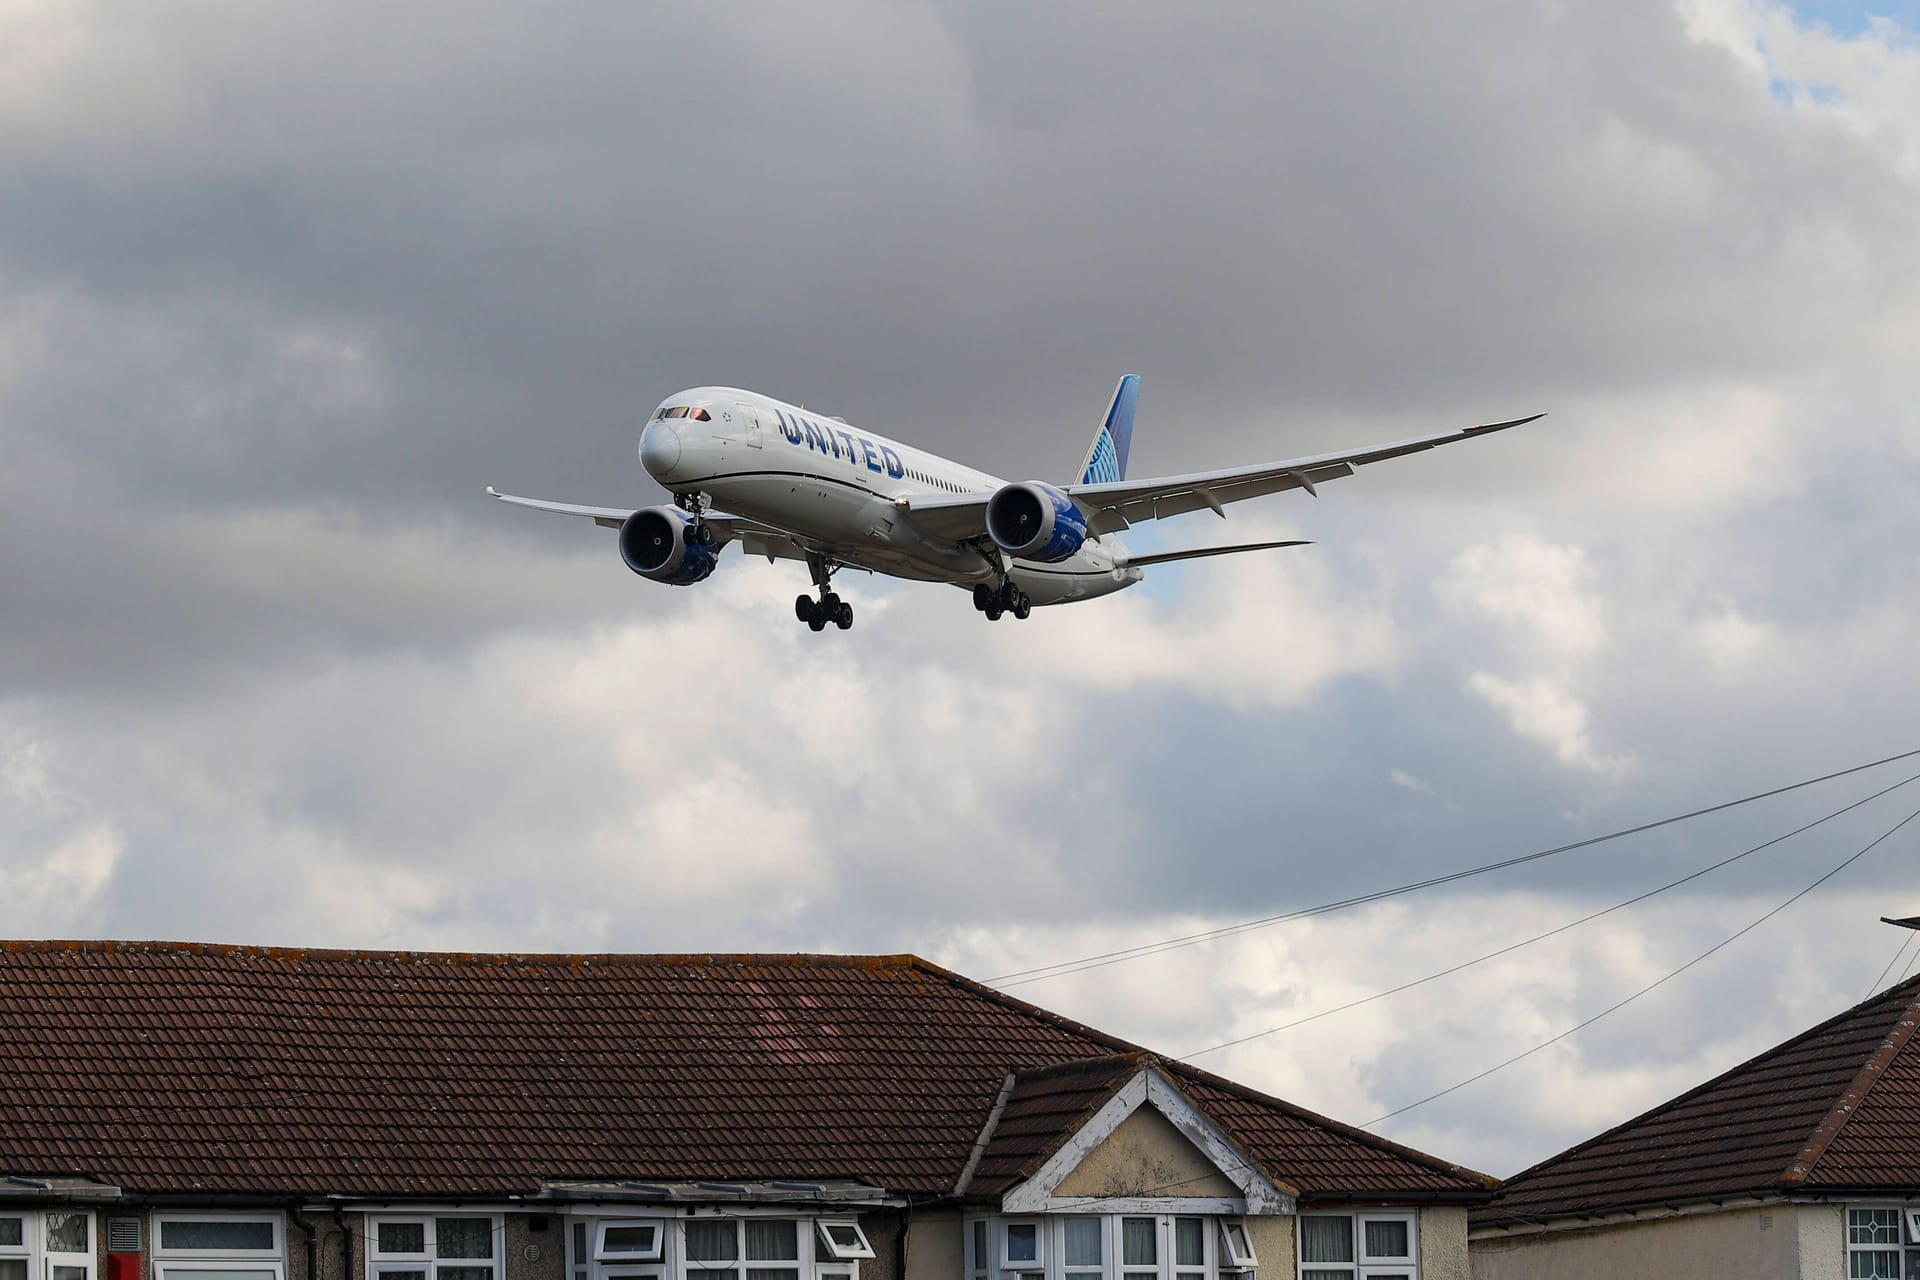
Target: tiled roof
[
  {"x": 177, "y": 1067},
  {"x": 1836, "y": 1107},
  {"x": 1043, "y": 1109}
]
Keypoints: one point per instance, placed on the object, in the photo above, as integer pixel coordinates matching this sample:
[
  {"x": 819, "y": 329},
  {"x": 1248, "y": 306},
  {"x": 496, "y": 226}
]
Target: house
[
  {"x": 1802, "y": 1163},
  {"x": 190, "y": 1112}
]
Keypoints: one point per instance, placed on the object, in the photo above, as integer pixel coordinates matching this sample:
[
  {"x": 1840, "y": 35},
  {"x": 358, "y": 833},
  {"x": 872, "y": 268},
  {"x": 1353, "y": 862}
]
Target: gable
[
  {"x": 1148, "y": 1148},
  {"x": 1146, "y": 1156}
]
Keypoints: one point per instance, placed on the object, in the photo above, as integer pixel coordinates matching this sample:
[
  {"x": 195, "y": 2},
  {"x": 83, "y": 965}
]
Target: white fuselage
[{"x": 838, "y": 489}]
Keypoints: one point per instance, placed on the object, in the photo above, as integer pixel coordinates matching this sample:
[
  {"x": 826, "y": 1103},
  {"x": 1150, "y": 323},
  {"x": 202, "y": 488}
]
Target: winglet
[
  {"x": 1501, "y": 426},
  {"x": 492, "y": 492}
]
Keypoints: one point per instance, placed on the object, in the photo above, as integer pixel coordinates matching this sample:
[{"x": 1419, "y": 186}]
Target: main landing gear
[
  {"x": 829, "y": 607},
  {"x": 1005, "y": 598}
]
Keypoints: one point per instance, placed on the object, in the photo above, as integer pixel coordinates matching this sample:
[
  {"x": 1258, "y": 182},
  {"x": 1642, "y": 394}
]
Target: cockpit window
[
  {"x": 699, "y": 415},
  {"x": 683, "y": 411}
]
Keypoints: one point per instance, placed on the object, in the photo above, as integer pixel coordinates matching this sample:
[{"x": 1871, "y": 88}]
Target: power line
[
  {"x": 1899, "y": 956},
  {"x": 1669, "y": 976},
  {"x": 1571, "y": 924},
  {"x": 1063, "y": 968}
]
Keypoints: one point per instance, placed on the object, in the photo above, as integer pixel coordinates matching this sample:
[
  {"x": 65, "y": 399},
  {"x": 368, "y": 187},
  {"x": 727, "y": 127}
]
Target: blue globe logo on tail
[{"x": 1107, "y": 457}]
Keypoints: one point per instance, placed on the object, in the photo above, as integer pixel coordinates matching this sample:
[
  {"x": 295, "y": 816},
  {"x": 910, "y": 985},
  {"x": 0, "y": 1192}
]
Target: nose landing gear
[
  {"x": 829, "y": 608},
  {"x": 1002, "y": 599}
]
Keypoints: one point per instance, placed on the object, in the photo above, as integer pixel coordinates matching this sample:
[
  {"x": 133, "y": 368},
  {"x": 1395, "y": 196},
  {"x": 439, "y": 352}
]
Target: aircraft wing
[
  {"x": 955, "y": 517},
  {"x": 1115, "y": 505},
  {"x": 1200, "y": 553},
  {"x": 727, "y": 526}
]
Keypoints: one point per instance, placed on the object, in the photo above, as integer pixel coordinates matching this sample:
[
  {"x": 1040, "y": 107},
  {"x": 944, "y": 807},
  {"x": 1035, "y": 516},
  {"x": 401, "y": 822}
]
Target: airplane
[{"x": 789, "y": 484}]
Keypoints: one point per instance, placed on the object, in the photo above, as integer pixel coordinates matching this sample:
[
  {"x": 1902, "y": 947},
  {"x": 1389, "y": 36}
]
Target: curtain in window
[
  {"x": 773, "y": 1241},
  {"x": 13, "y": 1269},
  {"x": 1387, "y": 1240},
  {"x": 1326, "y": 1238},
  {"x": 1138, "y": 1244},
  {"x": 711, "y": 1242},
  {"x": 401, "y": 1237},
  {"x": 1083, "y": 1242},
  {"x": 463, "y": 1238},
  {"x": 1189, "y": 1242}
]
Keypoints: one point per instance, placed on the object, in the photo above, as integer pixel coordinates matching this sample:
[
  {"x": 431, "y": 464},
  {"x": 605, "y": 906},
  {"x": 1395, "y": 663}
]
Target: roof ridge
[
  {"x": 1819, "y": 1028},
  {"x": 1854, "y": 1096},
  {"x": 793, "y": 959},
  {"x": 1139, "y": 1058}
]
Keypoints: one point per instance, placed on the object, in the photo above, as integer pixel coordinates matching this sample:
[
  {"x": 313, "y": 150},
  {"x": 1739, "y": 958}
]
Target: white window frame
[
  {"x": 85, "y": 1261},
  {"x": 1902, "y": 1216},
  {"x": 1364, "y": 1265},
  {"x": 22, "y": 1252},
  {"x": 380, "y": 1263},
  {"x": 1108, "y": 1234},
  {"x": 830, "y": 1250},
  {"x": 976, "y": 1237},
  {"x": 161, "y": 1253},
  {"x": 1232, "y": 1256},
  {"x": 630, "y": 1257},
  {"x": 1005, "y": 1263}
]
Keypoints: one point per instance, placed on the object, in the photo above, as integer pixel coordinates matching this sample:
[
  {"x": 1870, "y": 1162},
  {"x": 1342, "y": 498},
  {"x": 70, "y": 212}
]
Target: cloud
[{"x": 1547, "y": 715}]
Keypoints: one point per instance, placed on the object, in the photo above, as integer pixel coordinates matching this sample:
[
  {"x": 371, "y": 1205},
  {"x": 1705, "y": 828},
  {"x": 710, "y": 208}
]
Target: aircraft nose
[{"x": 660, "y": 449}]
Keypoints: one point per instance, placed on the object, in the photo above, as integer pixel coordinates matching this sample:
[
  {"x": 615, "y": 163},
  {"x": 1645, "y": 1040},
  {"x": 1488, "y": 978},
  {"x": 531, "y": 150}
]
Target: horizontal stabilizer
[{"x": 1164, "y": 557}]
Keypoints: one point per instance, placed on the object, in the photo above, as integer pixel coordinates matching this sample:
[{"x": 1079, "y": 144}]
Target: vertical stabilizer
[{"x": 1107, "y": 456}]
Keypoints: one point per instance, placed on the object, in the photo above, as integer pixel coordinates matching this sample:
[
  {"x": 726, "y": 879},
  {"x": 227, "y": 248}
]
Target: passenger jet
[{"x": 786, "y": 483}]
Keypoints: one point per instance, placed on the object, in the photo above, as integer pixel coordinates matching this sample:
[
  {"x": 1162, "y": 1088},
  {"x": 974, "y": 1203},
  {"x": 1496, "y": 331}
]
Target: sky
[{"x": 283, "y": 287}]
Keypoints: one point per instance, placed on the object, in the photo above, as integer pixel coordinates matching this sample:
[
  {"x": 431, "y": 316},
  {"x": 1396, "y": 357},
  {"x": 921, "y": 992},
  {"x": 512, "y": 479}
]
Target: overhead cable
[
  {"x": 1571, "y": 924},
  {"x": 1041, "y": 973},
  {"x": 1661, "y": 981}
]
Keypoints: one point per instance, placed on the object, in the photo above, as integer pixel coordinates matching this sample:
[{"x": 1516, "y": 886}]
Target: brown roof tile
[
  {"x": 174, "y": 1066},
  {"x": 1836, "y": 1107}
]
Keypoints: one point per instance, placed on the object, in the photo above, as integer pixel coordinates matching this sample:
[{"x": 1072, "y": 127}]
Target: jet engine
[
  {"x": 668, "y": 545},
  {"x": 1035, "y": 521}
]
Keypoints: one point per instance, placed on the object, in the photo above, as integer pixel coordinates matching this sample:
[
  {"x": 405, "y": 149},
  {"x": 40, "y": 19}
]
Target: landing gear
[
  {"x": 829, "y": 608},
  {"x": 996, "y": 601}
]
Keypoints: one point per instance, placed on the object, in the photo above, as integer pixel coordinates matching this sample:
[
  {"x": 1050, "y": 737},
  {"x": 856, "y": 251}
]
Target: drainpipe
[
  {"x": 900, "y": 1245},
  {"x": 299, "y": 1220},
  {"x": 346, "y": 1243}
]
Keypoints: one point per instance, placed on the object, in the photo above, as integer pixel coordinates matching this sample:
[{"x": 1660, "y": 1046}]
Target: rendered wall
[
  {"x": 1443, "y": 1243},
  {"x": 1738, "y": 1244},
  {"x": 1272, "y": 1238},
  {"x": 1823, "y": 1240},
  {"x": 935, "y": 1247},
  {"x": 1146, "y": 1156}
]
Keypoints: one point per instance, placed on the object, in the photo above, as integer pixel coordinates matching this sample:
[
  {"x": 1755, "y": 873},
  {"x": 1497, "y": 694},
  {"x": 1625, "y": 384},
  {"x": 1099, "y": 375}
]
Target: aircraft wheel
[
  {"x": 1009, "y": 595},
  {"x": 1022, "y": 607},
  {"x": 843, "y": 617},
  {"x": 817, "y": 622},
  {"x": 982, "y": 596},
  {"x": 802, "y": 607},
  {"x": 829, "y": 605},
  {"x": 993, "y": 611}
]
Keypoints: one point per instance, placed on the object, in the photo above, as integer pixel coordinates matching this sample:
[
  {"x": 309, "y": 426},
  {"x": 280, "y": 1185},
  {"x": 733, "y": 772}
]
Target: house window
[
  {"x": 67, "y": 1240},
  {"x": 1236, "y": 1247},
  {"x": 1873, "y": 1245},
  {"x": 1084, "y": 1247},
  {"x": 742, "y": 1249},
  {"x": 841, "y": 1240},
  {"x": 448, "y": 1247},
  {"x": 15, "y": 1263},
  {"x": 1358, "y": 1246},
  {"x": 233, "y": 1246}
]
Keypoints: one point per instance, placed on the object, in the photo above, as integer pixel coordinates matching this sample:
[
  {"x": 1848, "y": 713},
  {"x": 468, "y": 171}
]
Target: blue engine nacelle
[
  {"x": 1035, "y": 521},
  {"x": 668, "y": 545}
]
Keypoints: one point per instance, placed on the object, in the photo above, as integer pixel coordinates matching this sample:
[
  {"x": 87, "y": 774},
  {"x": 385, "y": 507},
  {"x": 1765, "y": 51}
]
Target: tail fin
[{"x": 1107, "y": 456}]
